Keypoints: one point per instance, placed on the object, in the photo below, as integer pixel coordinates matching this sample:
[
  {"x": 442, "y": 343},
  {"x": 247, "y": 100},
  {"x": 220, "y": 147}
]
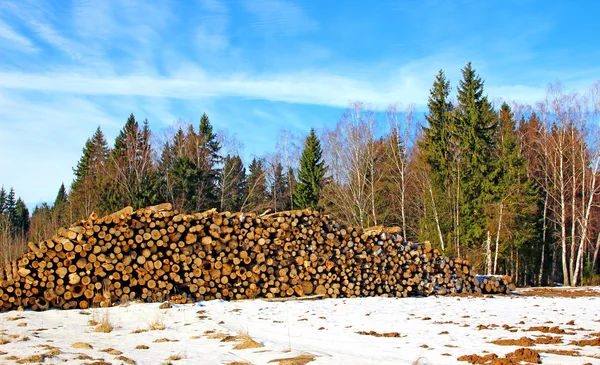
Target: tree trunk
[
  {"x": 544, "y": 228},
  {"x": 488, "y": 250},
  {"x": 596, "y": 251},
  {"x": 435, "y": 215},
  {"x": 498, "y": 236}
]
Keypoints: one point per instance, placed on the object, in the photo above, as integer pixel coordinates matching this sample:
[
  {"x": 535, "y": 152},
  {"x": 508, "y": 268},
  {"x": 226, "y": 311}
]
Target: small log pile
[
  {"x": 154, "y": 253},
  {"x": 495, "y": 284}
]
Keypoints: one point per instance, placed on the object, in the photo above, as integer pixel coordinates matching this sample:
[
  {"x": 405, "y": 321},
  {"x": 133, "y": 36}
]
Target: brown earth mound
[
  {"x": 513, "y": 358},
  {"x": 545, "y": 329},
  {"x": 593, "y": 342}
]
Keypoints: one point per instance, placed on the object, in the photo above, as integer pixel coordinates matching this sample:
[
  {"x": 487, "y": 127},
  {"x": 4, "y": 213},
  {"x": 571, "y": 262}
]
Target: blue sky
[{"x": 258, "y": 66}]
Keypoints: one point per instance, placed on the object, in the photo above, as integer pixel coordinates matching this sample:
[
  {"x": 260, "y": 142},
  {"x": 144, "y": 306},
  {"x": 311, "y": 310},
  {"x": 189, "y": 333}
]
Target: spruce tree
[
  {"x": 10, "y": 205},
  {"x": 21, "y": 222},
  {"x": 477, "y": 125},
  {"x": 209, "y": 148},
  {"x": 437, "y": 136},
  {"x": 3, "y": 198},
  {"x": 232, "y": 184},
  {"x": 279, "y": 191},
  {"x": 310, "y": 174}
]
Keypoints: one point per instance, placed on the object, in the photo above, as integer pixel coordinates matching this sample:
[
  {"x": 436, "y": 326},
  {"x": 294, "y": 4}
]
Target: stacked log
[
  {"x": 155, "y": 252},
  {"x": 495, "y": 284}
]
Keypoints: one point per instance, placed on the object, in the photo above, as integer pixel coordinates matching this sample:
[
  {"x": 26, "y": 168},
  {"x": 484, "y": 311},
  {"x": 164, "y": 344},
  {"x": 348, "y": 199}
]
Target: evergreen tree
[
  {"x": 477, "y": 125},
  {"x": 515, "y": 195},
  {"x": 3, "y": 198},
  {"x": 257, "y": 187},
  {"x": 133, "y": 179},
  {"x": 437, "y": 136},
  {"x": 208, "y": 147},
  {"x": 279, "y": 191},
  {"x": 60, "y": 205},
  {"x": 21, "y": 221},
  {"x": 233, "y": 184},
  {"x": 10, "y": 206},
  {"x": 310, "y": 174},
  {"x": 185, "y": 182},
  {"x": 90, "y": 176}
]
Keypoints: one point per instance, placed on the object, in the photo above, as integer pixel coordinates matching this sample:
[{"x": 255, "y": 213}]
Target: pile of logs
[
  {"x": 495, "y": 284},
  {"x": 153, "y": 253}
]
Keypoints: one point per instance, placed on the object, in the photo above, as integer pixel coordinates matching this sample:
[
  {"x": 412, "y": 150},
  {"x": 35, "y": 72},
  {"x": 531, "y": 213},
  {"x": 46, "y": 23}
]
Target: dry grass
[
  {"x": 22, "y": 324},
  {"x": 158, "y": 324},
  {"x": 175, "y": 357},
  {"x": 139, "y": 330},
  {"x": 125, "y": 359},
  {"x": 83, "y": 357},
  {"x": 37, "y": 358},
  {"x": 298, "y": 360},
  {"x": 246, "y": 342},
  {"x": 82, "y": 345},
  {"x": 238, "y": 363},
  {"x": 111, "y": 351},
  {"x": 4, "y": 340},
  {"x": 164, "y": 340},
  {"x": 421, "y": 361},
  {"x": 53, "y": 352},
  {"x": 142, "y": 347},
  {"x": 104, "y": 326}
]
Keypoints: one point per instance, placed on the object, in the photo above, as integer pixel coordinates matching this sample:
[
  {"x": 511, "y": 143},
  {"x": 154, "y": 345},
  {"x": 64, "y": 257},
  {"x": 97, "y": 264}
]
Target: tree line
[{"x": 513, "y": 188}]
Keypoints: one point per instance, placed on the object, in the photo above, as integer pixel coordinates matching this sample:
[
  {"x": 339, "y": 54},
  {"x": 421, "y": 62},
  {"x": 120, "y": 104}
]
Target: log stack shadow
[{"x": 155, "y": 252}]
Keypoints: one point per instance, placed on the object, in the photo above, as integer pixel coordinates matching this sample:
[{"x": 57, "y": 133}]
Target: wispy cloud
[
  {"x": 278, "y": 17},
  {"x": 10, "y": 39}
]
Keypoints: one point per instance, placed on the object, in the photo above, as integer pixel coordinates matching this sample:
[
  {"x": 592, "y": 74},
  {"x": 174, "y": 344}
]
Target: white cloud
[
  {"x": 278, "y": 17},
  {"x": 12, "y": 39}
]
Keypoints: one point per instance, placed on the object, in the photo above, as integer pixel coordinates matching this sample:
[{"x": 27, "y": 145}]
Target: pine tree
[
  {"x": 10, "y": 205},
  {"x": 133, "y": 179},
  {"x": 437, "y": 136},
  {"x": 279, "y": 191},
  {"x": 477, "y": 125},
  {"x": 310, "y": 174},
  {"x": 515, "y": 196},
  {"x": 60, "y": 205},
  {"x": 257, "y": 187},
  {"x": 208, "y": 147},
  {"x": 90, "y": 176},
  {"x": 233, "y": 184},
  {"x": 3, "y": 198},
  {"x": 21, "y": 221}
]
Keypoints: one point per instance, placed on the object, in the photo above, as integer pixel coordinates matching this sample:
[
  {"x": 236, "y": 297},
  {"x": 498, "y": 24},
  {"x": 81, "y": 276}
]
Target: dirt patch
[
  {"x": 523, "y": 341},
  {"x": 298, "y": 360},
  {"x": 377, "y": 334},
  {"x": 476, "y": 359},
  {"x": 513, "y": 358},
  {"x": 528, "y": 342},
  {"x": 545, "y": 329},
  {"x": 561, "y": 352},
  {"x": 561, "y": 293},
  {"x": 593, "y": 342},
  {"x": 524, "y": 354}
]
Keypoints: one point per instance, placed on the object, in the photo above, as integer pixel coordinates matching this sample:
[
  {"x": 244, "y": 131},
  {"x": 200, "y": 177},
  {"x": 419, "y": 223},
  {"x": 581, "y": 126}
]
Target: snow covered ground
[{"x": 436, "y": 329}]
